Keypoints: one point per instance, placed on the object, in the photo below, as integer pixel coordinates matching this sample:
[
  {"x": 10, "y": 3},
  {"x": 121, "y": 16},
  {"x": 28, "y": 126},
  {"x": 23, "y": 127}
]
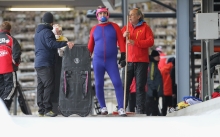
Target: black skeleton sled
[{"x": 73, "y": 92}]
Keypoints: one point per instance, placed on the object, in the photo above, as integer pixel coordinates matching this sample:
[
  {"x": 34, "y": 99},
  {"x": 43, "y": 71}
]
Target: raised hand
[{"x": 70, "y": 45}]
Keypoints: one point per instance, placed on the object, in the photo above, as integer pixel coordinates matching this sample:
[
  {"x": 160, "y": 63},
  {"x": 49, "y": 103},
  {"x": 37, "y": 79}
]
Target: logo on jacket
[
  {"x": 3, "y": 53},
  {"x": 3, "y": 40},
  {"x": 76, "y": 60}
]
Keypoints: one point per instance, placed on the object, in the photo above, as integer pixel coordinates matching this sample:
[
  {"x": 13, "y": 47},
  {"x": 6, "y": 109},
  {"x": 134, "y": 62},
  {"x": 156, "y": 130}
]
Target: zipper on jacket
[
  {"x": 137, "y": 33},
  {"x": 152, "y": 71},
  {"x": 132, "y": 47},
  {"x": 104, "y": 44},
  {"x": 158, "y": 88}
]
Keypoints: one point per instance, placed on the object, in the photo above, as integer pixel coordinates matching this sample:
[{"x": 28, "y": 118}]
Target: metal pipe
[
  {"x": 193, "y": 72},
  {"x": 208, "y": 69},
  {"x": 182, "y": 49},
  {"x": 90, "y": 14},
  {"x": 162, "y": 4},
  {"x": 124, "y": 12}
]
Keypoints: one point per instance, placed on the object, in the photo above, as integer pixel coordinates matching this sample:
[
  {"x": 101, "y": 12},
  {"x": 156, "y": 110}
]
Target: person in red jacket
[
  {"x": 167, "y": 87},
  {"x": 140, "y": 38},
  {"x": 6, "y": 59}
]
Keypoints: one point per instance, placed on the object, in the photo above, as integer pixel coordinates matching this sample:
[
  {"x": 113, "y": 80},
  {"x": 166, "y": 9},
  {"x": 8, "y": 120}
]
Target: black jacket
[
  {"x": 46, "y": 46},
  {"x": 154, "y": 79}
]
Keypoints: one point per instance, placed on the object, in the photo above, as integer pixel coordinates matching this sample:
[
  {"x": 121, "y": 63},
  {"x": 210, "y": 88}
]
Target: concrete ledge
[{"x": 198, "y": 109}]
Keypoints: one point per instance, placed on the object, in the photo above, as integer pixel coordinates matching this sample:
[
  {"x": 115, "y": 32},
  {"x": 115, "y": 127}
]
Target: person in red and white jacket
[{"x": 8, "y": 58}]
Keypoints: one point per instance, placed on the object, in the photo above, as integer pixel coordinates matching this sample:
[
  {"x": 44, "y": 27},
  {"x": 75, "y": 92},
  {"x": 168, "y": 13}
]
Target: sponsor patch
[
  {"x": 3, "y": 53},
  {"x": 76, "y": 60}
]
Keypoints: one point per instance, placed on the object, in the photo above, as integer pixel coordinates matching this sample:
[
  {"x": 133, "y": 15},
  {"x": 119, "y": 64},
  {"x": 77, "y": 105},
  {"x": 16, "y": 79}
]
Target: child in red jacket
[{"x": 167, "y": 86}]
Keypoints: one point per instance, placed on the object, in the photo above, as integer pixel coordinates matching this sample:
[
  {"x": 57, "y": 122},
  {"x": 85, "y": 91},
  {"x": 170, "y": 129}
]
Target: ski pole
[{"x": 126, "y": 58}]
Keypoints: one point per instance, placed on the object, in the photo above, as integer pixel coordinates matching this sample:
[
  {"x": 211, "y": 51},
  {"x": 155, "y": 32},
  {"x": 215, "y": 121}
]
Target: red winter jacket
[
  {"x": 143, "y": 39},
  {"x": 6, "y": 43},
  {"x": 167, "y": 81},
  {"x": 162, "y": 61}
]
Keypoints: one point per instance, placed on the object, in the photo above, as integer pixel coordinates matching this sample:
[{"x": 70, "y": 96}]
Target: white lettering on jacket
[
  {"x": 3, "y": 53},
  {"x": 3, "y": 40}
]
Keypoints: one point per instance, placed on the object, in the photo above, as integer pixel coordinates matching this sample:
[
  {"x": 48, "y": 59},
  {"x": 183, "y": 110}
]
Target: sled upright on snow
[{"x": 75, "y": 94}]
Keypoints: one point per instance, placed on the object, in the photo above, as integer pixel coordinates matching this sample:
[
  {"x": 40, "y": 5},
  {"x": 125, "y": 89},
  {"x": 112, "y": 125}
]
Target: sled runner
[
  {"x": 127, "y": 113},
  {"x": 21, "y": 98}
]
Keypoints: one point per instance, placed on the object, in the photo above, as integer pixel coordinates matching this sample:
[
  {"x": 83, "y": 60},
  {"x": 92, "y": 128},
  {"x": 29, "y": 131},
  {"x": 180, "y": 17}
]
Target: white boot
[
  {"x": 121, "y": 112},
  {"x": 104, "y": 111}
]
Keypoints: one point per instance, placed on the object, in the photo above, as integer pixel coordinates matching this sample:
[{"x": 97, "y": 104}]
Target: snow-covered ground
[{"x": 205, "y": 124}]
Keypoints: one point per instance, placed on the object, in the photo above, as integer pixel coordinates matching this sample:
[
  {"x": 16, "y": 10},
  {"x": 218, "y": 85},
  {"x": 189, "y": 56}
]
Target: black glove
[
  {"x": 155, "y": 93},
  {"x": 122, "y": 61}
]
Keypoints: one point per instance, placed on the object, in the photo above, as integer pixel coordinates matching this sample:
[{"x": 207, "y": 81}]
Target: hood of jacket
[
  {"x": 5, "y": 32},
  {"x": 43, "y": 26},
  {"x": 138, "y": 24}
]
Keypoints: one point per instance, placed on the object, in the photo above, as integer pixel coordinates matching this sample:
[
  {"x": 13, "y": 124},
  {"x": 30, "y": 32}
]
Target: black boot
[
  {"x": 8, "y": 104},
  {"x": 140, "y": 110}
]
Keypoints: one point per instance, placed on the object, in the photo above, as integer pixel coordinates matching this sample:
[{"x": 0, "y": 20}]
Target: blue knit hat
[{"x": 48, "y": 17}]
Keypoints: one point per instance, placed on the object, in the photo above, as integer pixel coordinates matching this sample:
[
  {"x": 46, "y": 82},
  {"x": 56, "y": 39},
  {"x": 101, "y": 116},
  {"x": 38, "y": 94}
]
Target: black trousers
[
  {"x": 139, "y": 71},
  {"x": 45, "y": 88},
  {"x": 6, "y": 86},
  {"x": 152, "y": 106},
  {"x": 174, "y": 102},
  {"x": 167, "y": 102},
  {"x": 132, "y": 102}
]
